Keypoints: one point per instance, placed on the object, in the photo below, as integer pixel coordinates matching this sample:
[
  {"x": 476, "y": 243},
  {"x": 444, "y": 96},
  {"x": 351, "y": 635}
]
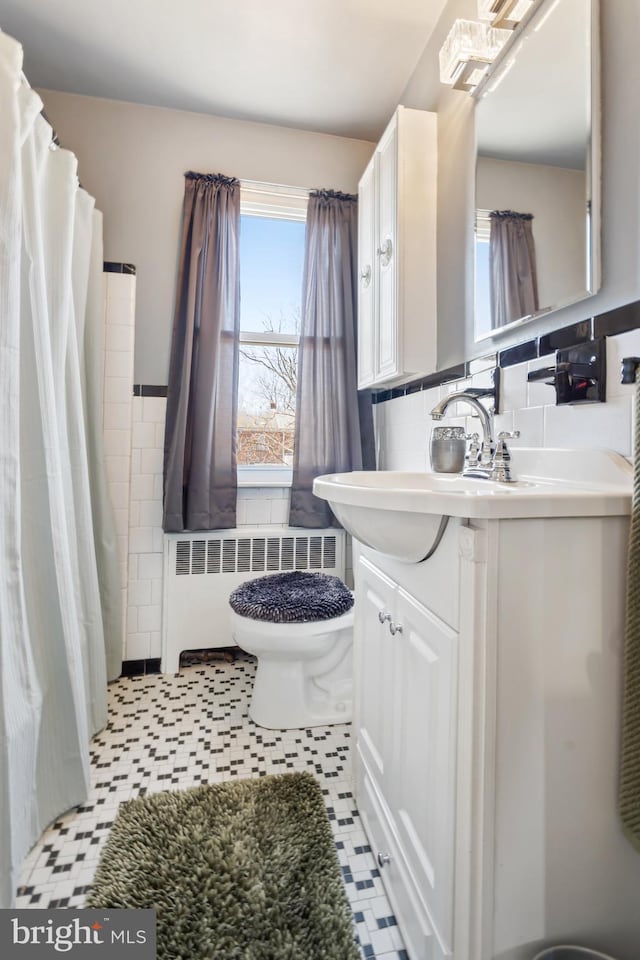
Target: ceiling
[{"x": 334, "y": 66}]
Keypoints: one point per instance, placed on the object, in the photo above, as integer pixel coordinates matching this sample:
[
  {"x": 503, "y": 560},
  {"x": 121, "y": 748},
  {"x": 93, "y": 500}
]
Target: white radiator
[{"x": 201, "y": 569}]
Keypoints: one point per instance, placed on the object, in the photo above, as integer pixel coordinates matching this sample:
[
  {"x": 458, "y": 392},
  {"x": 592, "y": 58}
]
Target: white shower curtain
[
  {"x": 52, "y": 640},
  {"x": 90, "y": 323}
]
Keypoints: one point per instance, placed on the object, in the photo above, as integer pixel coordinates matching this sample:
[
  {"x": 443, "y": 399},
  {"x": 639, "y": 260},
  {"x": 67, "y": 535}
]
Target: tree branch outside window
[{"x": 269, "y": 374}]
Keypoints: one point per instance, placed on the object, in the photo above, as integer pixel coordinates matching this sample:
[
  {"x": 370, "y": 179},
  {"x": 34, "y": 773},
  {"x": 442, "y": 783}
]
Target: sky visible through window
[
  {"x": 271, "y": 260},
  {"x": 271, "y": 263},
  {"x": 483, "y": 287}
]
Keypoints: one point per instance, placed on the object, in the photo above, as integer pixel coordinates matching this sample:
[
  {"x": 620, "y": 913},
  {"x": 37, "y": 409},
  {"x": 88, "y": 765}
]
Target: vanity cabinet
[
  {"x": 397, "y": 253},
  {"x": 487, "y": 724},
  {"x": 406, "y": 660}
]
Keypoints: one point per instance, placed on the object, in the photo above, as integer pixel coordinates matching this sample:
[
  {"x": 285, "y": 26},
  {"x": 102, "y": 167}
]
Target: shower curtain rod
[{"x": 55, "y": 140}]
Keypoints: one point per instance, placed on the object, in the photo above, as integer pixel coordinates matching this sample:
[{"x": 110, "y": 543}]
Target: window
[
  {"x": 483, "y": 322},
  {"x": 272, "y": 226}
]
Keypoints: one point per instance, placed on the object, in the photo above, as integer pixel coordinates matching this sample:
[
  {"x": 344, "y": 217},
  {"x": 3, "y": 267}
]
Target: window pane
[
  {"x": 266, "y": 405},
  {"x": 271, "y": 261},
  {"x": 483, "y": 288}
]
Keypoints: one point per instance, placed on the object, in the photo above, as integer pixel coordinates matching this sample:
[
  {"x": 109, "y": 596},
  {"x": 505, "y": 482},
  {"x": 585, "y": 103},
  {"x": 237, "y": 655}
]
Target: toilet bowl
[{"x": 304, "y": 671}]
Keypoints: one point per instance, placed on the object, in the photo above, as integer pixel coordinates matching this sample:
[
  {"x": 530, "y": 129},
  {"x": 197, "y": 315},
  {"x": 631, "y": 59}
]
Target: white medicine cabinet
[{"x": 397, "y": 253}]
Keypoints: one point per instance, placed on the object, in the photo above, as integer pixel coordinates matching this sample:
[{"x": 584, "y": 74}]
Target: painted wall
[
  {"x": 132, "y": 159},
  {"x": 620, "y": 26},
  {"x": 556, "y": 197}
]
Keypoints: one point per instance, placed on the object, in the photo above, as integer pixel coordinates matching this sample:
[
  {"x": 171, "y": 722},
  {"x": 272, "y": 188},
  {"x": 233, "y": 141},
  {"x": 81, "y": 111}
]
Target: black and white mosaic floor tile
[{"x": 173, "y": 732}]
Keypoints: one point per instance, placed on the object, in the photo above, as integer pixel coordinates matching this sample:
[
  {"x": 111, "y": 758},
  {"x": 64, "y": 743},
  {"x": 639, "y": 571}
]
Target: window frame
[
  {"x": 483, "y": 225},
  {"x": 276, "y": 202},
  {"x": 482, "y": 234}
]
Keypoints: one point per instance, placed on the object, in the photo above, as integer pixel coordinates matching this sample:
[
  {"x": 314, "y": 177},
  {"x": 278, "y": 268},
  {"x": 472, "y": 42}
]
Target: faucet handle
[
  {"x": 502, "y": 451},
  {"x": 472, "y": 455},
  {"x": 487, "y": 454},
  {"x": 501, "y": 467}
]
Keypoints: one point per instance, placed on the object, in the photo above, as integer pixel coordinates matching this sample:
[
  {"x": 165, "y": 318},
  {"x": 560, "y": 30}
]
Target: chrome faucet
[
  {"x": 484, "y": 461},
  {"x": 470, "y": 396}
]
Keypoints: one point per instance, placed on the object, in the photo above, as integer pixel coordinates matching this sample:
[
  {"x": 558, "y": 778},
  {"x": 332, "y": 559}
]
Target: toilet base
[
  {"x": 304, "y": 671},
  {"x": 284, "y": 698}
]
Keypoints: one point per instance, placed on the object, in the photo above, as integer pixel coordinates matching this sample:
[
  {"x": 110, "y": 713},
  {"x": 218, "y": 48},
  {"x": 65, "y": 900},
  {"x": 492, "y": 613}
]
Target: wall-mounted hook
[{"x": 628, "y": 369}]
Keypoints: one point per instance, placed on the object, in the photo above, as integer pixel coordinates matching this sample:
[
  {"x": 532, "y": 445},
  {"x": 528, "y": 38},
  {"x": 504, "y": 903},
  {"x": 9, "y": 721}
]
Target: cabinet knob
[
  {"x": 383, "y": 859},
  {"x": 394, "y": 627},
  {"x": 385, "y": 252},
  {"x": 383, "y": 616},
  {"x": 365, "y": 275}
]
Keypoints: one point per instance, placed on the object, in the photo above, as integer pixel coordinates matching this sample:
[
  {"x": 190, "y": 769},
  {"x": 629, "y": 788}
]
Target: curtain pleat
[
  {"x": 200, "y": 482},
  {"x": 52, "y": 653},
  {"x": 73, "y": 413},
  {"x": 52, "y": 594},
  {"x": 20, "y": 691},
  {"x": 334, "y": 424},
  {"x": 91, "y": 350},
  {"x": 513, "y": 273}
]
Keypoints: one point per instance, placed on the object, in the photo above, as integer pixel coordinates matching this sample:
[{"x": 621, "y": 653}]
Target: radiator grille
[
  {"x": 255, "y": 554},
  {"x": 213, "y": 556},
  {"x": 197, "y": 556},
  {"x": 202, "y": 567},
  {"x": 183, "y": 556}
]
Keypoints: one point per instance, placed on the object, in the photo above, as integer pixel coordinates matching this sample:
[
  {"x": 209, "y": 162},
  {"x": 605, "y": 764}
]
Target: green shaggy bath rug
[{"x": 243, "y": 870}]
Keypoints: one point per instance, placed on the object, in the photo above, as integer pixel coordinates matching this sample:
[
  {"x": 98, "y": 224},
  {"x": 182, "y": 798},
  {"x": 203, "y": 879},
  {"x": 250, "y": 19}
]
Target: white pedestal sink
[{"x": 400, "y": 513}]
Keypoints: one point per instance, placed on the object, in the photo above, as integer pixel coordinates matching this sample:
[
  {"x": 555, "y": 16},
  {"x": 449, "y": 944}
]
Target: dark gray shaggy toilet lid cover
[{"x": 292, "y": 598}]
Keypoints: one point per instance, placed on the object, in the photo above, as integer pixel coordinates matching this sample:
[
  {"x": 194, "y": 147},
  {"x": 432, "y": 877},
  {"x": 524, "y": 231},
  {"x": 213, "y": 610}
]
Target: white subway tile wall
[
  {"x": 257, "y": 507},
  {"x": 120, "y": 291},
  {"x": 144, "y": 611},
  {"x": 403, "y": 425}
]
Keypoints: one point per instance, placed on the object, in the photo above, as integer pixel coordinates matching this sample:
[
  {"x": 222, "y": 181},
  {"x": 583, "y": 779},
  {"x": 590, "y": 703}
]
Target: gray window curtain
[
  {"x": 200, "y": 483},
  {"x": 512, "y": 255},
  {"x": 334, "y": 424}
]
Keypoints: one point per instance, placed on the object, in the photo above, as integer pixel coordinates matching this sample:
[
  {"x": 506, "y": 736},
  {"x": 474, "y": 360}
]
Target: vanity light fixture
[
  {"x": 467, "y": 52},
  {"x": 503, "y": 13}
]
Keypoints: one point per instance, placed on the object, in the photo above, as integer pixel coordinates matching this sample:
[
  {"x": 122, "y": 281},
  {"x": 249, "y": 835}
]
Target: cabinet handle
[
  {"x": 383, "y": 859},
  {"x": 385, "y": 252},
  {"x": 383, "y": 617},
  {"x": 394, "y": 628},
  {"x": 365, "y": 275}
]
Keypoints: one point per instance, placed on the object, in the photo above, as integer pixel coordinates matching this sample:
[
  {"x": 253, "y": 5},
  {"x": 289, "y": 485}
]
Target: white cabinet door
[
  {"x": 366, "y": 282},
  {"x": 376, "y": 713},
  {"x": 397, "y": 251},
  {"x": 406, "y": 681},
  {"x": 374, "y": 669},
  {"x": 423, "y": 785},
  {"x": 386, "y": 250}
]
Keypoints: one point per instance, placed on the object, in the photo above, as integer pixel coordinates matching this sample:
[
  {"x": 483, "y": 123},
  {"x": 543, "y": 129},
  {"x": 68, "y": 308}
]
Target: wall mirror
[{"x": 537, "y": 191}]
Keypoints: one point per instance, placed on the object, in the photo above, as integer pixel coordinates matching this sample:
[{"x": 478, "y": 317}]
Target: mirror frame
[{"x": 593, "y": 199}]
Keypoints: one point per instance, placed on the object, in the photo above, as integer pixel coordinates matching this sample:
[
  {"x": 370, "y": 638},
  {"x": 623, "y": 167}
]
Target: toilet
[{"x": 299, "y": 626}]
